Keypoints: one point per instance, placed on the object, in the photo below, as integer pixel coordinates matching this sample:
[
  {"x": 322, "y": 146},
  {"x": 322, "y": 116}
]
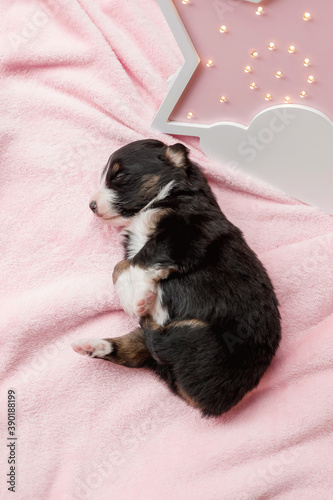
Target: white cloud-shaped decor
[{"x": 280, "y": 147}]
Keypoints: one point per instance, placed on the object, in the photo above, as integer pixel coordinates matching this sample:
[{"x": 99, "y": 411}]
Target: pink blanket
[{"x": 79, "y": 79}]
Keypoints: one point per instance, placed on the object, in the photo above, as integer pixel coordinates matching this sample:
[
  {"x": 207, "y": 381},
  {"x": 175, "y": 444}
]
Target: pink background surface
[
  {"x": 282, "y": 23},
  {"x": 85, "y": 83}
]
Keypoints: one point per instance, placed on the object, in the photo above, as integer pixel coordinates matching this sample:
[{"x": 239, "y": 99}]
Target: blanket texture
[{"x": 80, "y": 78}]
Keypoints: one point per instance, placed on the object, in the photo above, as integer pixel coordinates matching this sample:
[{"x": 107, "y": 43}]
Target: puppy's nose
[{"x": 93, "y": 206}]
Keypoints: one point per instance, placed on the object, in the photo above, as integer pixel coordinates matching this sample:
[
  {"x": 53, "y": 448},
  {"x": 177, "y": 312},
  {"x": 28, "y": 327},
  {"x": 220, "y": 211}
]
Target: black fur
[{"x": 217, "y": 279}]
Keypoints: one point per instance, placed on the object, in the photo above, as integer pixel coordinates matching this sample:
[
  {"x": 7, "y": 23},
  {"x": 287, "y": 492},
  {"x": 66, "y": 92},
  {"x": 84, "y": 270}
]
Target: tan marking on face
[
  {"x": 122, "y": 266},
  {"x": 115, "y": 167},
  {"x": 149, "y": 187}
]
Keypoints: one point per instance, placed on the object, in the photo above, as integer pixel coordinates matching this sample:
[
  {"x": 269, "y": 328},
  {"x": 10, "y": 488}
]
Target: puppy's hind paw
[{"x": 96, "y": 348}]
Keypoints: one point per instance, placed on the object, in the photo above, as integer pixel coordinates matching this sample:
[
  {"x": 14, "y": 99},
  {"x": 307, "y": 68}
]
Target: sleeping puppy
[{"x": 208, "y": 314}]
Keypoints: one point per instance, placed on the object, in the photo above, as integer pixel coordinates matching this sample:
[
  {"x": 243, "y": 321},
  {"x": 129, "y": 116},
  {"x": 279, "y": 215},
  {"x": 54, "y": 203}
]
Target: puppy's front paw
[
  {"x": 96, "y": 348},
  {"x": 143, "y": 301}
]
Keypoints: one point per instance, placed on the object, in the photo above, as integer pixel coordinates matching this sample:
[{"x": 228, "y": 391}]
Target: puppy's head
[{"x": 136, "y": 174}]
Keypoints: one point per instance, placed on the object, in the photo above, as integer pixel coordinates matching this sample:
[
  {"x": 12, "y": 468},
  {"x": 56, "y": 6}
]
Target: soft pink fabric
[{"x": 88, "y": 79}]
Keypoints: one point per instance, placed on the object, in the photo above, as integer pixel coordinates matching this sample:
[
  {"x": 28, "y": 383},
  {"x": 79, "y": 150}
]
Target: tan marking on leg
[
  {"x": 158, "y": 215},
  {"x": 158, "y": 273},
  {"x": 129, "y": 350},
  {"x": 186, "y": 397},
  {"x": 162, "y": 274},
  {"x": 122, "y": 266},
  {"x": 192, "y": 323},
  {"x": 148, "y": 323}
]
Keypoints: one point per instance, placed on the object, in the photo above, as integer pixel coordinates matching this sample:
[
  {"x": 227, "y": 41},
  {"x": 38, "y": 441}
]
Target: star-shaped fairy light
[
  {"x": 247, "y": 57},
  {"x": 244, "y": 58}
]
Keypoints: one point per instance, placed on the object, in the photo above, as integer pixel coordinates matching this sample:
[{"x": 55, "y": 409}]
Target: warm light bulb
[
  {"x": 306, "y": 62},
  {"x": 189, "y": 114},
  {"x": 303, "y": 93},
  {"x": 223, "y": 98},
  {"x": 287, "y": 100},
  {"x": 271, "y": 46},
  {"x": 253, "y": 85},
  {"x": 247, "y": 69},
  {"x": 268, "y": 97},
  {"x": 209, "y": 63},
  {"x": 291, "y": 49},
  {"x": 259, "y": 11},
  {"x": 311, "y": 79},
  {"x": 279, "y": 74},
  {"x": 254, "y": 53},
  {"x": 307, "y": 16},
  {"x": 223, "y": 28}
]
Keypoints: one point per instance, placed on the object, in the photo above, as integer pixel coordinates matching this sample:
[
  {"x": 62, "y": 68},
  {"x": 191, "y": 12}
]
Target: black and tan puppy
[{"x": 209, "y": 319}]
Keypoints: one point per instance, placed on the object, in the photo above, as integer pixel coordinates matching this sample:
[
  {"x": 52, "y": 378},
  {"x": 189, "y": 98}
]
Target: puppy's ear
[{"x": 177, "y": 155}]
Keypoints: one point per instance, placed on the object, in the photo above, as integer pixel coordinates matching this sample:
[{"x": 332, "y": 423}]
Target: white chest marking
[
  {"x": 142, "y": 224},
  {"x": 139, "y": 232}
]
